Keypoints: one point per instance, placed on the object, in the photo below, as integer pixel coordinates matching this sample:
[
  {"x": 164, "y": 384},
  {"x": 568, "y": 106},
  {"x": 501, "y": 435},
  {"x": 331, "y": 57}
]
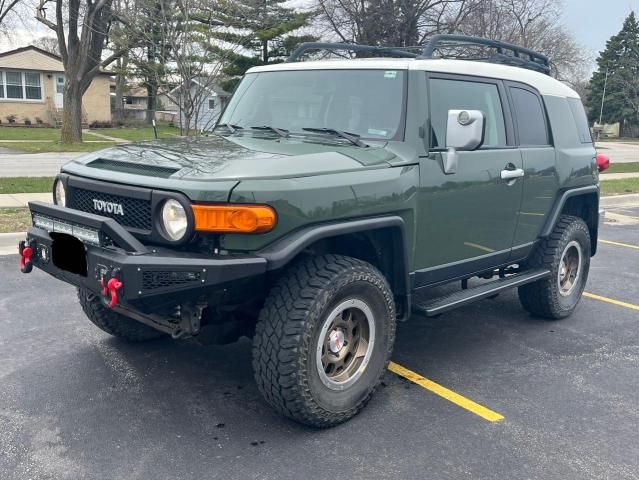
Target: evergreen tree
[
  {"x": 620, "y": 60},
  {"x": 264, "y": 31}
]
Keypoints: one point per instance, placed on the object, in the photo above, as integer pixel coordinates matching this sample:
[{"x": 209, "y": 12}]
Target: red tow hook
[
  {"x": 26, "y": 252},
  {"x": 110, "y": 290}
]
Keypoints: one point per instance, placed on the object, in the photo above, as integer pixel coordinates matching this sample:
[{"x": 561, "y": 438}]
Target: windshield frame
[{"x": 399, "y": 136}]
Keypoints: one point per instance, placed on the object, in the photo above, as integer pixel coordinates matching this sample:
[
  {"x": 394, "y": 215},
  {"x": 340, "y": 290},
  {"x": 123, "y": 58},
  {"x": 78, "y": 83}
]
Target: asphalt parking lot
[{"x": 75, "y": 403}]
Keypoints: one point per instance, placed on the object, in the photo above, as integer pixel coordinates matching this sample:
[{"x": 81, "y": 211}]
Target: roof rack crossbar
[
  {"x": 520, "y": 56},
  {"x": 353, "y": 47}
]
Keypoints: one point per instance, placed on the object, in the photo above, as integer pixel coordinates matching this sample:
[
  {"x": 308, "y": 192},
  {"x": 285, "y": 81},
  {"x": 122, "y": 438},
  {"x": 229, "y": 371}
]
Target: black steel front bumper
[{"x": 149, "y": 275}]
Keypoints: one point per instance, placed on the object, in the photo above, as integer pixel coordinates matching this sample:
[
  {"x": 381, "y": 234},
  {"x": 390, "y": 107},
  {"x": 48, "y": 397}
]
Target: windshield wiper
[
  {"x": 230, "y": 126},
  {"x": 351, "y": 137},
  {"x": 282, "y": 132}
]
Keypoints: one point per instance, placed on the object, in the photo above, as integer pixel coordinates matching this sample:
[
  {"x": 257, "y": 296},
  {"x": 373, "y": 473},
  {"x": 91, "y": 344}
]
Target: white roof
[{"x": 544, "y": 83}]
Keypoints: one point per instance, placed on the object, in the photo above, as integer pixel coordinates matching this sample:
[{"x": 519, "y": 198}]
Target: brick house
[{"x": 32, "y": 88}]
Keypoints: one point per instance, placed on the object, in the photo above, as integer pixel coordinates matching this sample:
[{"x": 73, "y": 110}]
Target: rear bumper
[{"x": 146, "y": 274}]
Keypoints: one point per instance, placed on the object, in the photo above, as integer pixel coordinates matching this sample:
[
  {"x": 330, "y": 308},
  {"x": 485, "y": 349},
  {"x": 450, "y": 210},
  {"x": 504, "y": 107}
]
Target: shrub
[
  {"x": 11, "y": 118},
  {"x": 39, "y": 121},
  {"x": 27, "y": 121},
  {"x": 99, "y": 124}
]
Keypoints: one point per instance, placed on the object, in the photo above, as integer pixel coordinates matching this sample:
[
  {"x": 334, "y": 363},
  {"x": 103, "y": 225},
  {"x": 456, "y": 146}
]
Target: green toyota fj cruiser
[{"x": 329, "y": 194}]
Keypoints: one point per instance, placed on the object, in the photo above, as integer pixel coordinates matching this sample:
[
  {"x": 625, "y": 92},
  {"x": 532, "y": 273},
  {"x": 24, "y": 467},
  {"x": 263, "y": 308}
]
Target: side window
[
  {"x": 459, "y": 94},
  {"x": 530, "y": 117},
  {"x": 581, "y": 120}
]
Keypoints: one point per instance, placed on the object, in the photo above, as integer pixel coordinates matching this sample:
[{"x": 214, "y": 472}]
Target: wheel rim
[
  {"x": 569, "y": 271},
  {"x": 345, "y": 344}
]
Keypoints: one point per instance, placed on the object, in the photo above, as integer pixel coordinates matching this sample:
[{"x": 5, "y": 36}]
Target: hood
[{"x": 232, "y": 158}]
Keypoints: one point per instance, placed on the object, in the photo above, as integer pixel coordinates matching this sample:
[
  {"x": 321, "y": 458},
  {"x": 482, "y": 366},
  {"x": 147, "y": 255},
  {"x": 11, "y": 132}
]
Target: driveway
[
  {"x": 77, "y": 404},
  {"x": 34, "y": 164},
  {"x": 620, "y": 152}
]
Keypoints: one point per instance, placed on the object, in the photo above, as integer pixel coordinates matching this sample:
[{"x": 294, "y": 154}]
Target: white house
[{"x": 211, "y": 99}]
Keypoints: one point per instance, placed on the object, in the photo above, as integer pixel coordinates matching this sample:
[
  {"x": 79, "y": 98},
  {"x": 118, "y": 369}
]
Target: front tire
[
  {"x": 566, "y": 253},
  {"x": 112, "y": 322},
  {"x": 324, "y": 339}
]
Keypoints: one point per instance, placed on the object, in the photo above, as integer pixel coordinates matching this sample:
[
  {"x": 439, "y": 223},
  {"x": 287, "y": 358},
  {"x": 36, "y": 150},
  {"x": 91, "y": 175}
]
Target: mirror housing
[{"x": 465, "y": 130}]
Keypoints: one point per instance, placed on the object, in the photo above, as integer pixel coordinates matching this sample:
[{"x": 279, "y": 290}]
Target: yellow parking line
[
  {"x": 611, "y": 300},
  {"x": 619, "y": 244},
  {"x": 443, "y": 392}
]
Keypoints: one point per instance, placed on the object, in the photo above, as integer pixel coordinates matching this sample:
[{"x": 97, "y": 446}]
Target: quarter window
[
  {"x": 530, "y": 117},
  {"x": 457, "y": 94},
  {"x": 211, "y": 104},
  {"x": 581, "y": 120}
]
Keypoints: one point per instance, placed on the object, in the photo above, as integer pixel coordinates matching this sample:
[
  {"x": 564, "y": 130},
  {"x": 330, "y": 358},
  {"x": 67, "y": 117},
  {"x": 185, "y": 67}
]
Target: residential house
[
  {"x": 32, "y": 89},
  {"x": 211, "y": 101}
]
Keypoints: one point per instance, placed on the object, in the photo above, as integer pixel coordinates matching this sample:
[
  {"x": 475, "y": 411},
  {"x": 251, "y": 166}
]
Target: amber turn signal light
[{"x": 234, "y": 218}]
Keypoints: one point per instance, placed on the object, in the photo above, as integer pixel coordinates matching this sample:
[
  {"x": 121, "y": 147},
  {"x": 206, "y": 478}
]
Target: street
[
  {"x": 76, "y": 403},
  {"x": 33, "y": 164}
]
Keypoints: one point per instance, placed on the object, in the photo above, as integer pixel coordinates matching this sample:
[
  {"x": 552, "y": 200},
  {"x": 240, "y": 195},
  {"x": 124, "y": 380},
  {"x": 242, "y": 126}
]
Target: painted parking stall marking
[
  {"x": 456, "y": 398},
  {"x": 619, "y": 244},
  {"x": 612, "y": 301}
]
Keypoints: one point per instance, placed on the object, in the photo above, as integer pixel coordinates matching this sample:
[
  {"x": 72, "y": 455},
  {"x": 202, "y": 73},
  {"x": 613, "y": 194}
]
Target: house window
[
  {"x": 211, "y": 104},
  {"x": 33, "y": 89},
  {"x": 21, "y": 85},
  {"x": 59, "y": 84},
  {"x": 14, "y": 84}
]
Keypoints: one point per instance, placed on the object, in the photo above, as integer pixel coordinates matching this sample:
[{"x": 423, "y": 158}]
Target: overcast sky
[{"x": 594, "y": 21}]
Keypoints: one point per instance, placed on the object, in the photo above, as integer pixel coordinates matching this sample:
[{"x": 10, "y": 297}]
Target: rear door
[
  {"x": 540, "y": 185},
  {"x": 467, "y": 220}
]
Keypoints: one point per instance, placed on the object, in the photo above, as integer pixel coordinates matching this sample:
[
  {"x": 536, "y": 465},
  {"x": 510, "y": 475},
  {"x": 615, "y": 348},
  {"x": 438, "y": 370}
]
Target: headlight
[
  {"x": 59, "y": 194},
  {"x": 174, "y": 220}
]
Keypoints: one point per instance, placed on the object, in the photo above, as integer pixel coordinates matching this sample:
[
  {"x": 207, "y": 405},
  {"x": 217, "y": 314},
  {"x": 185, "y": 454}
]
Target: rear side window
[
  {"x": 530, "y": 117},
  {"x": 458, "y": 94},
  {"x": 581, "y": 120}
]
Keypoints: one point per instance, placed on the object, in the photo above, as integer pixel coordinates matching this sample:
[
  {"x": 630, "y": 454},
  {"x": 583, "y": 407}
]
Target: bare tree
[
  {"x": 535, "y": 24},
  {"x": 7, "y": 10},
  {"x": 389, "y": 22},
  {"x": 48, "y": 44},
  {"x": 81, "y": 27}
]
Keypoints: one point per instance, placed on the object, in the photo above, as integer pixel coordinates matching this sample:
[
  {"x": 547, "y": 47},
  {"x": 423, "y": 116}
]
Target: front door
[
  {"x": 467, "y": 219},
  {"x": 58, "y": 90}
]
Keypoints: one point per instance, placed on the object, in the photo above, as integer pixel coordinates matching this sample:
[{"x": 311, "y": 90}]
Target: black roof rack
[
  {"x": 518, "y": 56},
  {"x": 353, "y": 47},
  {"x": 505, "y": 53}
]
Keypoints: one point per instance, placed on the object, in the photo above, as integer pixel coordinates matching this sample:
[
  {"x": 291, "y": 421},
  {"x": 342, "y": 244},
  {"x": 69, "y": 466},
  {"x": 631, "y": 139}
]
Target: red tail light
[{"x": 603, "y": 162}]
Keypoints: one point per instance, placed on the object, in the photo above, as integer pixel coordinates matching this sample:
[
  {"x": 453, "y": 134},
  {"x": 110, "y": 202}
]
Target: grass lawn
[
  {"x": 24, "y": 133},
  {"x": 139, "y": 134},
  {"x": 632, "y": 167},
  {"x": 14, "y": 220},
  {"x": 42, "y": 147},
  {"x": 620, "y": 187},
  {"x": 25, "y": 184}
]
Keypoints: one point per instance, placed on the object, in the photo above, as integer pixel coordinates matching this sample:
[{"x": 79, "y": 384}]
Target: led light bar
[{"x": 85, "y": 234}]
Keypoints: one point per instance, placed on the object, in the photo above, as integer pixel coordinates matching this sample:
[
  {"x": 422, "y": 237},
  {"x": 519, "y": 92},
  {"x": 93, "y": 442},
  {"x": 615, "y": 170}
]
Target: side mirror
[{"x": 465, "y": 132}]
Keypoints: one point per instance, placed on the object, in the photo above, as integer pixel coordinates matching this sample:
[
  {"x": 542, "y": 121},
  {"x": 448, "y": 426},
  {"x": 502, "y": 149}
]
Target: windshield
[{"x": 368, "y": 103}]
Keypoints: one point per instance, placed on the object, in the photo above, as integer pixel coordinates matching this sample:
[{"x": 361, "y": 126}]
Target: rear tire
[
  {"x": 112, "y": 322},
  {"x": 324, "y": 339},
  {"x": 566, "y": 253}
]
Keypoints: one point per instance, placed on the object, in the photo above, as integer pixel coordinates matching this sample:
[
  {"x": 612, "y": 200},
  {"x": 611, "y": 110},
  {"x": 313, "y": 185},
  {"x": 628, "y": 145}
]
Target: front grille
[
  {"x": 152, "y": 279},
  {"x": 137, "y": 212}
]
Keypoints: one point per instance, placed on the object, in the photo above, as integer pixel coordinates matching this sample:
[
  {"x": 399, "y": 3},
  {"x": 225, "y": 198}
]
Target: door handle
[{"x": 512, "y": 174}]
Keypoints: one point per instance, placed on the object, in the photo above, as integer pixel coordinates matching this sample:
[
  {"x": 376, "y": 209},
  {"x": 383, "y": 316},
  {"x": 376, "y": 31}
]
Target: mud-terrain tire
[
  {"x": 556, "y": 296},
  {"x": 112, "y": 322},
  {"x": 297, "y": 346}
]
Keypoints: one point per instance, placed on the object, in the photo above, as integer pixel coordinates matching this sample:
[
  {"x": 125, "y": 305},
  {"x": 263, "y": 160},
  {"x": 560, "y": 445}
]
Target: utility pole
[{"x": 603, "y": 97}]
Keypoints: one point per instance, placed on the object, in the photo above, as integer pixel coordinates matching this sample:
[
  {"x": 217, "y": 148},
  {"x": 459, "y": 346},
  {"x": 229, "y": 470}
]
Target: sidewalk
[
  {"x": 617, "y": 176},
  {"x": 17, "y": 200}
]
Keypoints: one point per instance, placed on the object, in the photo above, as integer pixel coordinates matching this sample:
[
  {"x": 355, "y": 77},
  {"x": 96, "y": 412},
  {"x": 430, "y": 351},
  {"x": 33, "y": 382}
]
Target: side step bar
[{"x": 458, "y": 299}]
